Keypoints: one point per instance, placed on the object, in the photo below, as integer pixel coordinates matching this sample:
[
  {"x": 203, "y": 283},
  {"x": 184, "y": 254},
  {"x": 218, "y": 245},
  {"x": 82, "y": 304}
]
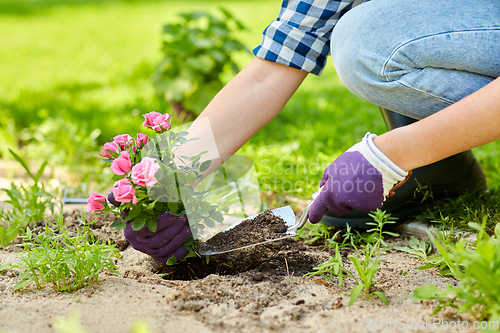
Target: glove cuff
[{"x": 391, "y": 173}]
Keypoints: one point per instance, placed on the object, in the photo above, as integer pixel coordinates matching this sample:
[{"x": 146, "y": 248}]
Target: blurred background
[{"x": 75, "y": 73}]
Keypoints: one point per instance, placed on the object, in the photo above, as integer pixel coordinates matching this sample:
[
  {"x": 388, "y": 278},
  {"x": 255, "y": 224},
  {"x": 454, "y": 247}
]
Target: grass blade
[{"x": 21, "y": 161}]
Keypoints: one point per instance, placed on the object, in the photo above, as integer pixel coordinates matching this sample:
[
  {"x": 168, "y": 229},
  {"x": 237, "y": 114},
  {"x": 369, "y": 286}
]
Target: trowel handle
[{"x": 303, "y": 218}]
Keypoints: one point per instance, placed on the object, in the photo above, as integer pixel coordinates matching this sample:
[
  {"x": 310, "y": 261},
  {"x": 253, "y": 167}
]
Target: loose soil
[
  {"x": 258, "y": 289},
  {"x": 264, "y": 227}
]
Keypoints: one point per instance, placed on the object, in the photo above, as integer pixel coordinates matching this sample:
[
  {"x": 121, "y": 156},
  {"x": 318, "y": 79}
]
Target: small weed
[
  {"x": 445, "y": 239},
  {"x": 314, "y": 232},
  {"x": 29, "y": 202},
  {"x": 331, "y": 268},
  {"x": 477, "y": 269},
  {"x": 66, "y": 261},
  {"x": 416, "y": 248},
  {"x": 365, "y": 260}
]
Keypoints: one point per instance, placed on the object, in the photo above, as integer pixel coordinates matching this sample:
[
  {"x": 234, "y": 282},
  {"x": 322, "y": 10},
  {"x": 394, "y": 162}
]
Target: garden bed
[{"x": 257, "y": 289}]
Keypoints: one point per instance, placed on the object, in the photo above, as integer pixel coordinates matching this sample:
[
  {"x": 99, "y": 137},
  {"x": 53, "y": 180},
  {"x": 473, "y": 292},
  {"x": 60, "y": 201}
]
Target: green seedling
[
  {"x": 331, "y": 269},
  {"x": 314, "y": 232},
  {"x": 349, "y": 236},
  {"x": 365, "y": 260},
  {"x": 29, "y": 202},
  {"x": 416, "y": 248},
  {"x": 478, "y": 271},
  {"x": 61, "y": 259},
  {"x": 10, "y": 224},
  {"x": 444, "y": 238}
]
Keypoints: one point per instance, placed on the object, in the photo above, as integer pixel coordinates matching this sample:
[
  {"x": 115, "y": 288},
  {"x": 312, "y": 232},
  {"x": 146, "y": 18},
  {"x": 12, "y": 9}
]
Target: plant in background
[
  {"x": 31, "y": 200},
  {"x": 62, "y": 259},
  {"x": 365, "y": 260},
  {"x": 196, "y": 52},
  {"x": 478, "y": 272},
  {"x": 446, "y": 239},
  {"x": 70, "y": 146},
  {"x": 147, "y": 187},
  {"x": 416, "y": 248},
  {"x": 29, "y": 203}
]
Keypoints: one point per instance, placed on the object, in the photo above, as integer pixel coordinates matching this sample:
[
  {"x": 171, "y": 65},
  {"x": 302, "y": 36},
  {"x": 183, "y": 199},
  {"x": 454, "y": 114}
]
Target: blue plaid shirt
[{"x": 300, "y": 36}]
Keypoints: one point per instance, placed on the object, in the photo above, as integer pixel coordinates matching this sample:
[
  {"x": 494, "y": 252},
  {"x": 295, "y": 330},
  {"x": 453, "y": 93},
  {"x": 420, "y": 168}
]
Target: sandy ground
[{"x": 280, "y": 302}]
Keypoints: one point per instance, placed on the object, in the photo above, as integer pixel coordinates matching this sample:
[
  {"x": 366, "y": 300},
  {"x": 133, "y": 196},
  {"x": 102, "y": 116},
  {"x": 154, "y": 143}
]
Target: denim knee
[
  {"x": 413, "y": 57},
  {"x": 356, "y": 58}
]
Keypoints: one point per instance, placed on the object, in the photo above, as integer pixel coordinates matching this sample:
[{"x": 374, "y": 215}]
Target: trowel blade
[{"x": 286, "y": 213}]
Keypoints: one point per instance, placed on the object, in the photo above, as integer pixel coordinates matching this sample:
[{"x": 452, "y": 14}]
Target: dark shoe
[{"x": 448, "y": 178}]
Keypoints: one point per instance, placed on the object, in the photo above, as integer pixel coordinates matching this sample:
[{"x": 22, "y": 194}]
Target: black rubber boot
[{"x": 448, "y": 178}]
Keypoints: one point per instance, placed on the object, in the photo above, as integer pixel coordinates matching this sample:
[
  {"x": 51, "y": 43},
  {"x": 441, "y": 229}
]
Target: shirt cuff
[{"x": 290, "y": 46}]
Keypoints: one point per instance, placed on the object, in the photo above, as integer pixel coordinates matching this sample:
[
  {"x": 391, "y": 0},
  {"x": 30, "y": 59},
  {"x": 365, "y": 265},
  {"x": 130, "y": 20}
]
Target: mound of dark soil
[
  {"x": 264, "y": 227},
  {"x": 280, "y": 258}
]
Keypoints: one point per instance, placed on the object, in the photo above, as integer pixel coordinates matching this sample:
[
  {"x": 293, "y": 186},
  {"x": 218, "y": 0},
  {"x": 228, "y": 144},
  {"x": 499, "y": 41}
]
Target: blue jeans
[{"x": 417, "y": 57}]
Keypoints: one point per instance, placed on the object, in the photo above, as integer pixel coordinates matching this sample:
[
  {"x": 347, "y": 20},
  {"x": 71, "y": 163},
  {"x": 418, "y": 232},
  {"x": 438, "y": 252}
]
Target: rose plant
[{"x": 153, "y": 190}]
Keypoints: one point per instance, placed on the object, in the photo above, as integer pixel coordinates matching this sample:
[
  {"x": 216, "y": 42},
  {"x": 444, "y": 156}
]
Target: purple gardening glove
[
  {"x": 361, "y": 178},
  {"x": 171, "y": 232}
]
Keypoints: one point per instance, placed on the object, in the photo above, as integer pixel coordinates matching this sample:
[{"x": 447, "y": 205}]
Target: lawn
[{"x": 77, "y": 73}]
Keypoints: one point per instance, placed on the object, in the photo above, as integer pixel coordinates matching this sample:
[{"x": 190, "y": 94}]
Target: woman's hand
[
  {"x": 361, "y": 178},
  {"x": 171, "y": 232}
]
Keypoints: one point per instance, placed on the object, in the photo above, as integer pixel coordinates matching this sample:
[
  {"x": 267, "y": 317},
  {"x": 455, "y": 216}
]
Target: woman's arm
[
  {"x": 469, "y": 123},
  {"x": 252, "y": 99},
  {"x": 246, "y": 104}
]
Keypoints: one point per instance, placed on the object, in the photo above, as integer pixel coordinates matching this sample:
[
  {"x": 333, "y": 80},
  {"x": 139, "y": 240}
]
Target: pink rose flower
[
  {"x": 143, "y": 173},
  {"x": 122, "y": 164},
  {"x": 95, "y": 202},
  {"x": 156, "y": 121},
  {"x": 142, "y": 139},
  {"x": 124, "y": 192},
  {"x": 110, "y": 146},
  {"x": 123, "y": 140}
]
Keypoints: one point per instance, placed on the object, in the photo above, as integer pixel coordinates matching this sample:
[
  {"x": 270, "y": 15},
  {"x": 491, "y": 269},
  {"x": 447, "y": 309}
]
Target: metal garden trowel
[{"x": 286, "y": 213}]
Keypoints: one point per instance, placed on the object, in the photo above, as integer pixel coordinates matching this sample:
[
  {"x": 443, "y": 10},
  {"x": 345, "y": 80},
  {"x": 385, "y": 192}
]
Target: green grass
[
  {"x": 470, "y": 207},
  {"x": 75, "y": 68}
]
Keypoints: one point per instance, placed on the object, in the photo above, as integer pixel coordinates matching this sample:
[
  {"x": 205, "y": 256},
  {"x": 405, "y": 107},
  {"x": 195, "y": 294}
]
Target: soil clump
[{"x": 264, "y": 227}]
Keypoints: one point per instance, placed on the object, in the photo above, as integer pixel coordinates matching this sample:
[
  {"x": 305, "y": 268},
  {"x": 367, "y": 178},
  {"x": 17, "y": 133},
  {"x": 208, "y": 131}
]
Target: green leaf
[
  {"x": 40, "y": 171},
  {"x": 358, "y": 266},
  {"x": 171, "y": 261},
  {"x": 382, "y": 297},
  {"x": 217, "y": 216},
  {"x": 426, "y": 292},
  {"x": 117, "y": 177},
  {"x": 205, "y": 165},
  {"x": 133, "y": 213},
  {"x": 20, "y": 160},
  {"x": 21, "y": 284},
  {"x": 138, "y": 224},
  {"x": 355, "y": 294},
  {"x": 119, "y": 225},
  {"x": 209, "y": 223},
  {"x": 5, "y": 267},
  {"x": 152, "y": 225}
]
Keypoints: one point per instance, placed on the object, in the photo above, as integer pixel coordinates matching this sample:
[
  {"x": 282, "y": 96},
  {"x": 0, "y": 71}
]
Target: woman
[{"x": 433, "y": 61}]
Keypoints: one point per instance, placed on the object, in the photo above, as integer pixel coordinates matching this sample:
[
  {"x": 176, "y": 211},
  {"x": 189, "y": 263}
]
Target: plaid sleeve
[{"x": 300, "y": 36}]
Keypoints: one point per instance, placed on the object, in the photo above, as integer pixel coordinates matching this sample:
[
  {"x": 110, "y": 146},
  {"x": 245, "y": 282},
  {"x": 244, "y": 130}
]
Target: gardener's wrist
[{"x": 397, "y": 151}]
